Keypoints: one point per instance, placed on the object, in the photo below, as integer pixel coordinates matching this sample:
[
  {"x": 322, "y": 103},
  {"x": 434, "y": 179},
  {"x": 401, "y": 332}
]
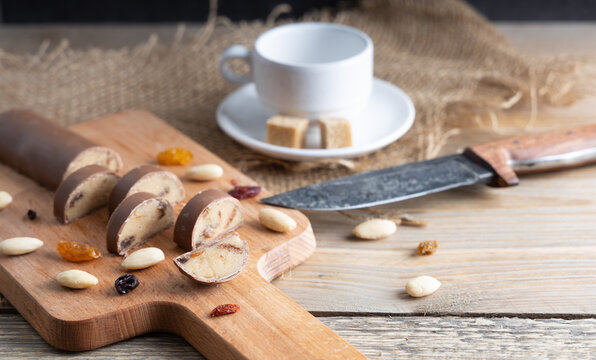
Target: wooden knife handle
[{"x": 551, "y": 150}]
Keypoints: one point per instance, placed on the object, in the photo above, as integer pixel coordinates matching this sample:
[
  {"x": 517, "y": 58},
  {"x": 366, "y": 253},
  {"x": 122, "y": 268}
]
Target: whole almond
[
  {"x": 19, "y": 245},
  {"x": 422, "y": 286},
  {"x": 276, "y": 220},
  {"x": 409, "y": 220},
  {"x": 76, "y": 279},
  {"x": 375, "y": 229},
  {"x": 143, "y": 258},
  {"x": 204, "y": 172},
  {"x": 5, "y": 199}
]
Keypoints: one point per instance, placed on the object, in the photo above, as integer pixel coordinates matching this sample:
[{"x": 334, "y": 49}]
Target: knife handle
[{"x": 546, "y": 151}]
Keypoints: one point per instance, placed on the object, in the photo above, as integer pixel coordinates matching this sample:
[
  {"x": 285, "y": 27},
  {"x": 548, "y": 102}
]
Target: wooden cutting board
[{"x": 269, "y": 325}]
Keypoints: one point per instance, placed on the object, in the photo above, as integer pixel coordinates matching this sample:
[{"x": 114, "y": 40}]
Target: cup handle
[{"x": 235, "y": 52}]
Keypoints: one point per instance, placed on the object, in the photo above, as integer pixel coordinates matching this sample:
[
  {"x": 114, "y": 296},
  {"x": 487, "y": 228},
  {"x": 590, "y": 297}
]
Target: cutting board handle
[
  {"x": 269, "y": 325},
  {"x": 546, "y": 151},
  {"x": 278, "y": 329}
]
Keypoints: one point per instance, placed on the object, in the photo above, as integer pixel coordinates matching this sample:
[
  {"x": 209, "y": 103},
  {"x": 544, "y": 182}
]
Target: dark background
[{"x": 144, "y": 11}]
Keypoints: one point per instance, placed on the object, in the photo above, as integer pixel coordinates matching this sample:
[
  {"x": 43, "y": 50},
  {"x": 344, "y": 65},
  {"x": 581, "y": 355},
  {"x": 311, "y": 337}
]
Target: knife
[{"x": 495, "y": 163}]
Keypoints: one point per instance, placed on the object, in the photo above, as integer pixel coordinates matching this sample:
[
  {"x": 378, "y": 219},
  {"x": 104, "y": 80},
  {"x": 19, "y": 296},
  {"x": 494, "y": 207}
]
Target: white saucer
[{"x": 388, "y": 115}]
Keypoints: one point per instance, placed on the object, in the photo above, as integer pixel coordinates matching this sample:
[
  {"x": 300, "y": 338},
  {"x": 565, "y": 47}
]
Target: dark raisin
[
  {"x": 126, "y": 283},
  {"x": 244, "y": 192},
  {"x": 77, "y": 197},
  {"x": 162, "y": 210},
  {"x": 182, "y": 260},
  {"x": 31, "y": 214},
  {"x": 224, "y": 309},
  {"x": 127, "y": 242}
]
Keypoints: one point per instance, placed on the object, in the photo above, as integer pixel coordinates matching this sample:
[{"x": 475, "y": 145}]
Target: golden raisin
[
  {"x": 174, "y": 156},
  {"x": 427, "y": 247},
  {"x": 76, "y": 252}
]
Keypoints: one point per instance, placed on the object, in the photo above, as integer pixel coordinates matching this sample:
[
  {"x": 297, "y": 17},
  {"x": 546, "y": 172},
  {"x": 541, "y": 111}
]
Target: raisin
[
  {"x": 224, "y": 309},
  {"x": 77, "y": 197},
  {"x": 174, "y": 156},
  {"x": 162, "y": 210},
  {"x": 230, "y": 248},
  {"x": 127, "y": 242},
  {"x": 31, "y": 214},
  {"x": 198, "y": 253},
  {"x": 244, "y": 192},
  {"x": 76, "y": 252},
  {"x": 126, "y": 283},
  {"x": 427, "y": 247}
]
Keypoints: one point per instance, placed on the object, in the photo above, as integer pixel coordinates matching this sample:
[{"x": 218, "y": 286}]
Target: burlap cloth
[{"x": 447, "y": 57}]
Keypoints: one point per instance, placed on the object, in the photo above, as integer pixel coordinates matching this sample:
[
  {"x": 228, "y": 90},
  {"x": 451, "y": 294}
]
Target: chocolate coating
[
  {"x": 131, "y": 178},
  {"x": 38, "y": 147},
  {"x": 121, "y": 214},
  {"x": 71, "y": 183},
  {"x": 185, "y": 224}
]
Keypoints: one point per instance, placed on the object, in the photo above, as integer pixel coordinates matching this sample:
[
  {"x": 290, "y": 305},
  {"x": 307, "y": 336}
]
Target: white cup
[{"x": 307, "y": 69}]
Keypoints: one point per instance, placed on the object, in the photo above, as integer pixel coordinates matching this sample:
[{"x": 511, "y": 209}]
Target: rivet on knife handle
[{"x": 544, "y": 151}]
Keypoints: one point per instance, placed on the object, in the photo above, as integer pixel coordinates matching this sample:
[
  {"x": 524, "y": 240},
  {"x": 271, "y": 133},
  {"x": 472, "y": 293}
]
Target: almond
[
  {"x": 205, "y": 172},
  {"x": 5, "y": 199},
  {"x": 375, "y": 229},
  {"x": 19, "y": 245},
  {"x": 408, "y": 220},
  {"x": 143, "y": 258},
  {"x": 276, "y": 220},
  {"x": 422, "y": 286},
  {"x": 76, "y": 279}
]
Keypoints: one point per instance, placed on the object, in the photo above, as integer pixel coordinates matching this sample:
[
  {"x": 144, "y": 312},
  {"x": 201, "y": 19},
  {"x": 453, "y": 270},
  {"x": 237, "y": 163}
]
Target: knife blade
[{"x": 496, "y": 163}]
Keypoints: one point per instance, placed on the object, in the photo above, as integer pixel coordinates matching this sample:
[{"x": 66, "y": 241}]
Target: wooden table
[{"x": 518, "y": 265}]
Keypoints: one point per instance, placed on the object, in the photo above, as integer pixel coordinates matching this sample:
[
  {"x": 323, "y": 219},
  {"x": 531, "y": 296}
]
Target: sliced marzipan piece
[
  {"x": 217, "y": 263},
  {"x": 209, "y": 215},
  {"x": 47, "y": 152},
  {"x": 147, "y": 178},
  {"x": 83, "y": 191},
  {"x": 137, "y": 219}
]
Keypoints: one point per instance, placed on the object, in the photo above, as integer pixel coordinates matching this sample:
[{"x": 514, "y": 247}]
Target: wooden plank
[
  {"x": 542, "y": 38},
  {"x": 166, "y": 300},
  {"x": 24, "y": 39},
  {"x": 468, "y": 338},
  {"x": 548, "y": 38},
  {"x": 19, "y": 340},
  {"x": 377, "y": 338},
  {"x": 500, "y": 249}
]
